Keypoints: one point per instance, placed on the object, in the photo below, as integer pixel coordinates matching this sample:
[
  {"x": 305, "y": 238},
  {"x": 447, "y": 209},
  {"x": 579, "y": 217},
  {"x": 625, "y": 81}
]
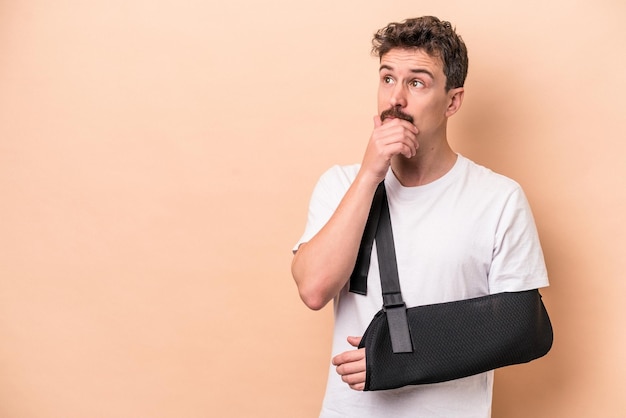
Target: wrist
[{"x": 369, "y": 179}]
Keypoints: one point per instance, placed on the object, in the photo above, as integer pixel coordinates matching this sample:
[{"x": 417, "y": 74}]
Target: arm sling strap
[{"x": 443, "y": 341}]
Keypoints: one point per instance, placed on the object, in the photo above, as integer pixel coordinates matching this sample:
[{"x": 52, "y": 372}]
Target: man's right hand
[
  {"x": 393, "y": 137},
  {"x": 322, "y": 266}
]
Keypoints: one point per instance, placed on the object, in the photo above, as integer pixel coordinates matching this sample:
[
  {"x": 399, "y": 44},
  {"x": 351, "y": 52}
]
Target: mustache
[{"x": 395, "y": 112}]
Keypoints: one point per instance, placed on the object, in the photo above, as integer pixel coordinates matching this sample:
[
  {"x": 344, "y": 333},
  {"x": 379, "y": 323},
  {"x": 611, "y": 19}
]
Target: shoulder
[
  {"x": 484, "y": 178},
  {"x": 337, "y": 179},
  {"x": 333, "y": 184},
  {"x": 341, "y": 173}
]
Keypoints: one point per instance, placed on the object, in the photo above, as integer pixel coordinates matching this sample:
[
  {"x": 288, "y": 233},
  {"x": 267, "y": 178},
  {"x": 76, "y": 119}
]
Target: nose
[{"x": 398, "y": 96}]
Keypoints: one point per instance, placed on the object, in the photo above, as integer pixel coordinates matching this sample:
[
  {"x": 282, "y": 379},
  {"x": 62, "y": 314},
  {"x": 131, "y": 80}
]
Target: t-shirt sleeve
[
  {"x": 518, "y": 262},
  {"x": 327, "y": 194}
]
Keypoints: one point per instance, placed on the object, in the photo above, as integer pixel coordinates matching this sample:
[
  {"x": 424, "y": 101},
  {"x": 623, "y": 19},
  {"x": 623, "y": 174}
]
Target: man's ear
[{"x": 455, "y": 97}]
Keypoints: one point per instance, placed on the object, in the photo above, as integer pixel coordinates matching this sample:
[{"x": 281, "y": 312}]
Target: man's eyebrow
[
  {"x": 423, "y": 71},
  {"x": 414, "y": 70}
]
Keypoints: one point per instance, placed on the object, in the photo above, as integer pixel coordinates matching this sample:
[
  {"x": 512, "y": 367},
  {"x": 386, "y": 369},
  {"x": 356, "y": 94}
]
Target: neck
[{"x": 425, "y": 167}]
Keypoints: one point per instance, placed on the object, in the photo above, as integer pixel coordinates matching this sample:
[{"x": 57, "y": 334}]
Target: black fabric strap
[
  {"x": 390, "y": 283},
  {"x": 379, "y": 226},
  {"x": 358, "y": 278}
]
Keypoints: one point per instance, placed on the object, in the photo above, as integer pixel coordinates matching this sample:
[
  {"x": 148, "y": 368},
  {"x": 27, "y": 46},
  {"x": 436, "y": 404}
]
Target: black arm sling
[{"x": 443, "y": 341}]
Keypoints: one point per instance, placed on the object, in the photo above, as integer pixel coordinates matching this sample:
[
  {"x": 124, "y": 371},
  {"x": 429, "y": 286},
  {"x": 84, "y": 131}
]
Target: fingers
[
  {"x": 355, "y": 381},
  {"x": 351, "y": 365},
  {"x": 352, "y": 356},
  {"x": 353, "y": 368},
  {"x": 377, "y": 121},
  {"x": 353, "y": 373},
  {"x": 359, "y": 387},
  {"x": 406, "y": 134},
  {"x": 391, "y": 138},
  {"x": 354, "y": 341},
  {"x": 396, "y": 136}
]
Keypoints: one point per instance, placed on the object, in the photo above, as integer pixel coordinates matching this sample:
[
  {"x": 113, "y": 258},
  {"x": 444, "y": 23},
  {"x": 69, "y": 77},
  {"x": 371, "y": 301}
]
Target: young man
[{"x": 460, "y": 230}]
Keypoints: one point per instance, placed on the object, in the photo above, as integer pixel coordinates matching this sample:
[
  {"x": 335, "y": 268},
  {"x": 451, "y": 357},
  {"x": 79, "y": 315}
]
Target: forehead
[{"x": 399, "y": 59}]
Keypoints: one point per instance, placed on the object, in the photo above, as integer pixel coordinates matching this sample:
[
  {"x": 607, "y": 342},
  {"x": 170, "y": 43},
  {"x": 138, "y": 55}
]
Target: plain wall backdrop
[{"x": 156, "y": 162}]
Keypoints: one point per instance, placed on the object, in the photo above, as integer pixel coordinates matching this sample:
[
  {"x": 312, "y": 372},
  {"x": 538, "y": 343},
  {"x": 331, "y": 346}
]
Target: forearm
[{"x": 322, "y": 266}]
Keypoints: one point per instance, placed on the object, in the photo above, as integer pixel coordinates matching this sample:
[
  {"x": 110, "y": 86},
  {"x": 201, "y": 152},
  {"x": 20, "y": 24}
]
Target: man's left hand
[{"x": 351, "y": 365}]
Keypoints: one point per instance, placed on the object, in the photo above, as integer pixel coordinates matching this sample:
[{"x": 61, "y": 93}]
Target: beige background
[{"x": 156, "y": 161}]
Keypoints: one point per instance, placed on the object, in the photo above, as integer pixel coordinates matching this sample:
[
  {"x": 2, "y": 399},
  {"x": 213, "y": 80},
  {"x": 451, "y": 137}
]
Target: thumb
[
  {"x": 377, "y": 121},
  {"x": 354, "y": 341}
]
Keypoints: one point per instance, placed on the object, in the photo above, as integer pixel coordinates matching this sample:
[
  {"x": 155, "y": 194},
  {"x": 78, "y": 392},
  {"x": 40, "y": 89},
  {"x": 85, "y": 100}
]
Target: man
[{"x": 460, "y": 230}]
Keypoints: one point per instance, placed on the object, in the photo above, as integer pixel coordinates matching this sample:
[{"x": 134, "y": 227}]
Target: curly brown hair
[{"x": 435, "y": 37}]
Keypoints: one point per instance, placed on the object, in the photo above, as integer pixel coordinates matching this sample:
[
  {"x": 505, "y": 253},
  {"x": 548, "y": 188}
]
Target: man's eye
[
  {"x": 416, "y": 84},
  {"x": 387, "y": 79}
]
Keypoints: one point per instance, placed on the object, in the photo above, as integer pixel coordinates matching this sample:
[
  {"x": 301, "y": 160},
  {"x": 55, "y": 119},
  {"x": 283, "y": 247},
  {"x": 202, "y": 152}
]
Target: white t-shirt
[{"x": 469, "y": 233}]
